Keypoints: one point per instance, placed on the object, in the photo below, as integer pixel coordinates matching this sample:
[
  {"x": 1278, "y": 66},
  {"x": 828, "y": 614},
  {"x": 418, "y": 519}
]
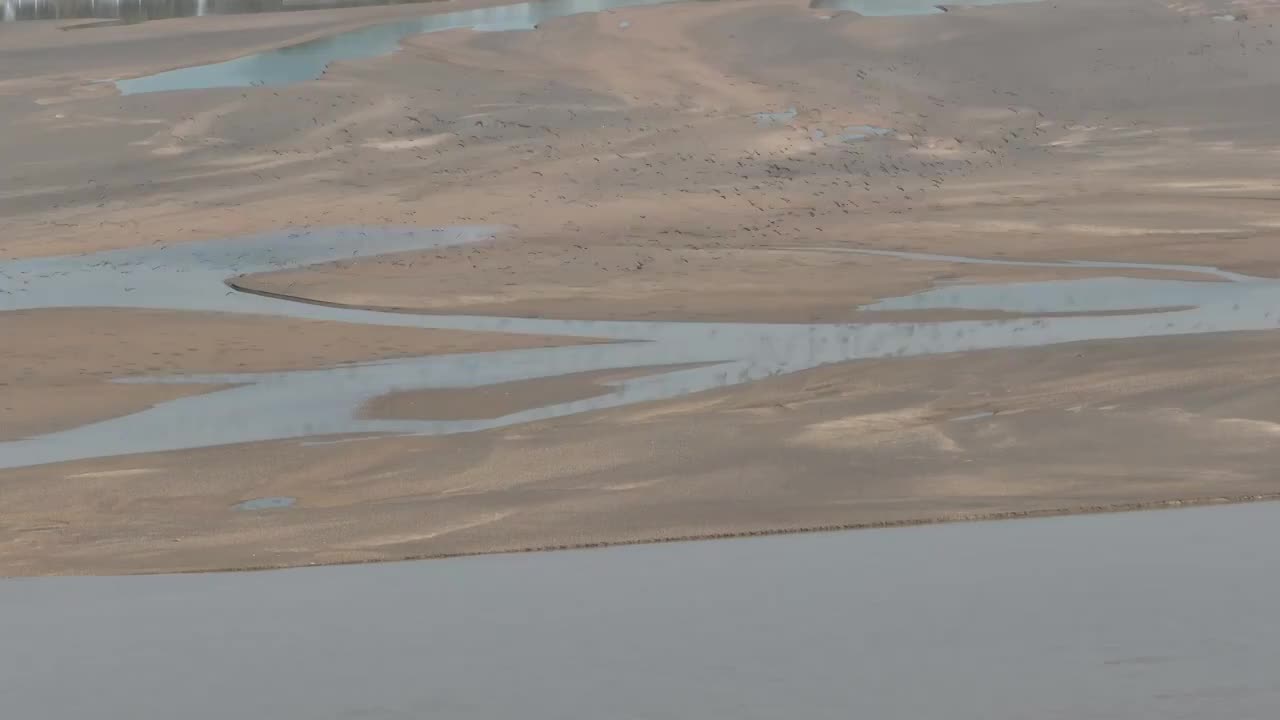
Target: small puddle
[
  {"x": 973, "y": 416},
  {"x": 266, "y": 503},
  {"x": 849, "y": 134},
  {"x": 890, "y": 8},
  {"x": 328, "y": 401},
  {"x": 774, "y": 119},
  {"x": 854, "y": 133},
  {"x": 308, "y": 60}
]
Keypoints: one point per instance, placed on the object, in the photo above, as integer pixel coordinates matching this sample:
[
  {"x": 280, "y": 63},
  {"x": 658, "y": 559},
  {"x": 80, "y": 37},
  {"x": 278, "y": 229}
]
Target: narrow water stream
[
  {"x": 308, "y": 60},
  {"x": 326, "y": 401}
]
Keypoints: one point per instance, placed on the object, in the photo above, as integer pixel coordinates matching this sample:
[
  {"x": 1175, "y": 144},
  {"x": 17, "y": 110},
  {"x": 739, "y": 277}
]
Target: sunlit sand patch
[
  {"x": 912, "y": 425},
  {"x": 668, "y": 409},
  {"x": 1221, "y": 185},
  {"x": 982, "y": 226},
  {"x": 32, "y": 191},
  {"x": 445, "y": 529},
  {"x": 495, "y": 401},
  {"x": 1122, "y": 231},
  {"x": 414, "y": 144},
  {"x": 255, "y": 161},
  {"x": 126, "y": 472},
  {"x": 1245, "y": 425}
]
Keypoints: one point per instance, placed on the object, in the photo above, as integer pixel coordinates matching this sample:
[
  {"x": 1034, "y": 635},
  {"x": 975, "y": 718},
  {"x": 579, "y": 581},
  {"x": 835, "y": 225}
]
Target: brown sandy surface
[
  {"x": 639, "y": 185},
  {"x": 493, "y": 401},
  {"x": 58, "y": 363},
  {"x": 1090, "y": 425}
]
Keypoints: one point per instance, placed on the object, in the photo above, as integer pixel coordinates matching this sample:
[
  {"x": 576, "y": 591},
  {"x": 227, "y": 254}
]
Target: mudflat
[{"x": 691, "y": 162}]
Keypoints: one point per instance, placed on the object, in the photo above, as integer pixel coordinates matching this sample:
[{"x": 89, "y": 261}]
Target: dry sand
[
  {"x": 58, "y": 375},
  {"x": 641, "y": 186},
  {"x": 1085, "y": 427}
]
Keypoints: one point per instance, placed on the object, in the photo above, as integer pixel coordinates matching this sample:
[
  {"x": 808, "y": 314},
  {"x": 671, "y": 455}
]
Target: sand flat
[
  {"x": 1075, "y": 428},
  {"x": 59, "y": 363},
  {"x": 643, "y": 196}
]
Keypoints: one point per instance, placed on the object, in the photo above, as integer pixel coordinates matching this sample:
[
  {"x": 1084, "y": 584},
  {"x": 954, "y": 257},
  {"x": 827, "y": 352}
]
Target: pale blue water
[
  {"x": 327, "y": 401},
  {"x": 266, "y": 503},
  {"x": 779, "y": 117},
  {"x": 1162, "y": 615},
  {"x": 307, "y": 61},
  {"x": 853, "y": 133}
]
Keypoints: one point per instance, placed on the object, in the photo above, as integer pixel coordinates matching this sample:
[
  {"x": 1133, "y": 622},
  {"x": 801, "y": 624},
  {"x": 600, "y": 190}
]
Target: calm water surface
[
  {"x": 307, "y": 61},
  {"x": 328, "y": 401},
  {"x": 1159, "y": 615}
]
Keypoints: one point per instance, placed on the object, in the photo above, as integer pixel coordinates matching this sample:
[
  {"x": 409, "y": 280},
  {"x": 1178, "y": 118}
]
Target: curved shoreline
[{"x": 1124, "y": 507}]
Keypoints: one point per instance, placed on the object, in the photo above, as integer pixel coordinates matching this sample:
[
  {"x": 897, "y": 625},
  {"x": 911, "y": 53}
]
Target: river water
[
  {"x": 308, "y": 60},
  {"x": 328, "y": 401},
  {"x": 1155, "y": 615}
]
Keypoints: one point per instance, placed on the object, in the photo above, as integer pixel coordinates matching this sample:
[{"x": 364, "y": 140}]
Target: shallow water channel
[
  {"x": 308, "y": 60},
  {"x": 327, "y": 401}
]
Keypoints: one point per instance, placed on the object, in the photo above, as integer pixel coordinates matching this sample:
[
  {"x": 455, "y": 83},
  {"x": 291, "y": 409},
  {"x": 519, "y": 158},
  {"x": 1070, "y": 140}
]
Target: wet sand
[{"x": 652, "y": 196}]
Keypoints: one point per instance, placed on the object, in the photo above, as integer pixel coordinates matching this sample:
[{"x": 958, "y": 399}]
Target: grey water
[
  {"x": 1156, "y": 615},
  {"x": 973, "y": 416},
  {"x": 266, "y": 503},
  {"x": 774, "y": 118},
  {"x": 142, "y": 10},
  {"x": 890, "y": 8},
  {"x": 308, "y": 60},
  {"x": 850, "y": 134},
  {"x": 854, "y": 133},
  {"x": 328, "y": 401}
]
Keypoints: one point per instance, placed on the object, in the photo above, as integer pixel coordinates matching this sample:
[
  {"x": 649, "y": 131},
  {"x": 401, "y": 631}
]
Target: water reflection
[
  {"x": 307, "y": 61},
  {"x": 140, "y": 10},
  {"x": 327, "y": 401}
]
